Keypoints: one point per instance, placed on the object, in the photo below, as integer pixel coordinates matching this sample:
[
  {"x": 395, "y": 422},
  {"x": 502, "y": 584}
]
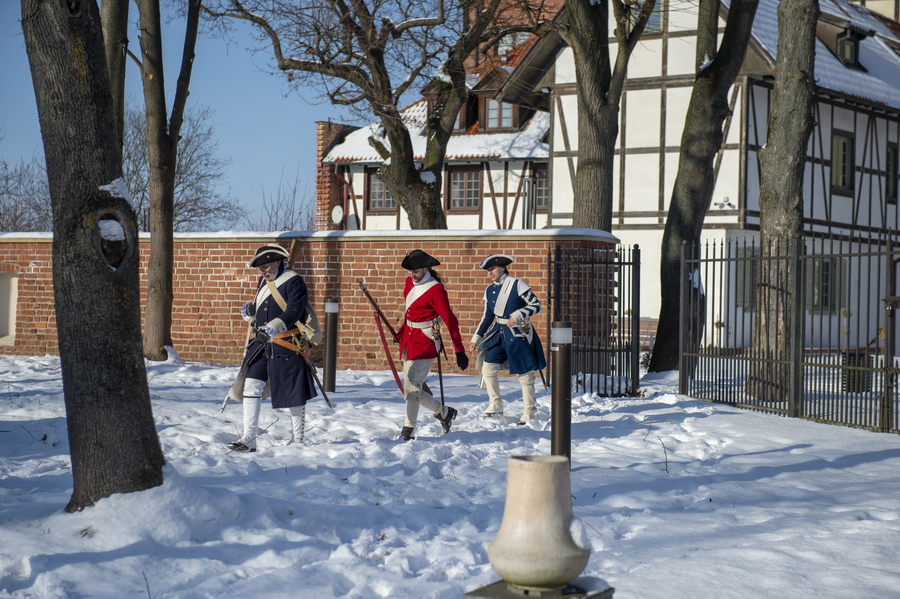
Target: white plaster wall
[
  {"x": 642, "y": 121},
  {"x": 844, "y": 120},
  {"x": 561, "y": 187},
  {"x": 681, "y": 16},
  {"x": 564, "y": 70},
  {"x": 646, "y": 59},
  {"x": 570, "y": 112},
  {"x": 737, "y": 118},
  {"x": 641, "y": 183},
  {"x": 650, "y": 242},
  {"x": 728, "y": 182},
  {"x": 682, "y": 55},
  {"x": 677, "y": 101},
  {"x": 464, "y": 221}
]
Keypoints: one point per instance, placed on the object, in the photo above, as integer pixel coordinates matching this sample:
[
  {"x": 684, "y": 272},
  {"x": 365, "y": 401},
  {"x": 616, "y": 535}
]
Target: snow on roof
[
  {"x": 525, "y": 144},
  {"x": 879, "y": 83}
]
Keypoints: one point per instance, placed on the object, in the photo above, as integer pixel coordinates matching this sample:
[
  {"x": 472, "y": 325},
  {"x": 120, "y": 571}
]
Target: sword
[
  {"x": 437, "y": 334},
  {"x": 524, "y": 327},
  {"x": 316, "y": 377}
]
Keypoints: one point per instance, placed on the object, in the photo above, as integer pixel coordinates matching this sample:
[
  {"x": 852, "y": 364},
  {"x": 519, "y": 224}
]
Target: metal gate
[
  {"x": 834, "y": 357},
  {"x": 597, "y": 290}
]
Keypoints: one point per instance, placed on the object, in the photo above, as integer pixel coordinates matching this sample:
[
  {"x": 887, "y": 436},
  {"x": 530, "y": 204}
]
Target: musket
[
  {"x": 251, "y": 329},
  {"x": 377, "y": 310},
  {"x": 381, "y": 318},
  {"x": 387, "y": 352},
  {"x": 437, "y": 334}
]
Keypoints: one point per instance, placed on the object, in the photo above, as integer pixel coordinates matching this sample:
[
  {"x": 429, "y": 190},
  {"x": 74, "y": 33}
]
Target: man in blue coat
[
  {"x": 505, "y": 338},
  {"x": 274, "y": 364}
]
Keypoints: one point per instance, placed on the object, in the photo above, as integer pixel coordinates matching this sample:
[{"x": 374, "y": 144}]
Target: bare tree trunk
[
  {"x": 598, "y": 114},
  {"x": 600, "y": 85},
  {"x": 114, "y": 445},
  {"x": 114, "y": 19},
  {"x": 162, "y": 147},
  {"x": 700, "y": 142},
  {"x": 782, "y": 162}
]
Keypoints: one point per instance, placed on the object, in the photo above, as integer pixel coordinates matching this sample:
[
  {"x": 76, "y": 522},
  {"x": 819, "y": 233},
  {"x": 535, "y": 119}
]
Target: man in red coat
[{"x": 428, "y": 312}]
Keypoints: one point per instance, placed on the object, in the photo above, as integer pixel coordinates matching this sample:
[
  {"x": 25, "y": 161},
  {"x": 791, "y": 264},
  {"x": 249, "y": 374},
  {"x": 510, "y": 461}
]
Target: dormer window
[
  {"x": 847, "y": 46},
  {"x": 498, "y": 115}
]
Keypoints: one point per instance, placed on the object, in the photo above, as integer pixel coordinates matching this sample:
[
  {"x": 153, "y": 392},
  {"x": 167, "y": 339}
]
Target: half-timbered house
[{"x": 851, "y": 186}]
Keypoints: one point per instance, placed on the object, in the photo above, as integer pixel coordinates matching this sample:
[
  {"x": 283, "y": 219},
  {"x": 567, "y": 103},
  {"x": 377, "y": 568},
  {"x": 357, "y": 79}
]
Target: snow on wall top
[{"x": 525, "y": 144}]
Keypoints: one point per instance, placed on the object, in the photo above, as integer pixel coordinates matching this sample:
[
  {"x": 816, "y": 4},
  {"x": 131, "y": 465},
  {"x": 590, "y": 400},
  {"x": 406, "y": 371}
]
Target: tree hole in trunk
[{"x": 113, "y": 241}]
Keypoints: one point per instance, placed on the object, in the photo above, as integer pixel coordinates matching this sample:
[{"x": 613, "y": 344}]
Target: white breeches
[{"x": 414, "y": 374}]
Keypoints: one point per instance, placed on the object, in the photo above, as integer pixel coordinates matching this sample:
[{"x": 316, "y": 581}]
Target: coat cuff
[{"x": 278, "y": 325}]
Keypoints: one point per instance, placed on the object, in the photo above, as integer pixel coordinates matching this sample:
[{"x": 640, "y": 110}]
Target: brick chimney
[{"x": 329, "y": 189}]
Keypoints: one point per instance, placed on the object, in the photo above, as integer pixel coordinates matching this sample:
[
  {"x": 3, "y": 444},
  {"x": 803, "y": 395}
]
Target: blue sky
[{"x": 261, "y": 125}]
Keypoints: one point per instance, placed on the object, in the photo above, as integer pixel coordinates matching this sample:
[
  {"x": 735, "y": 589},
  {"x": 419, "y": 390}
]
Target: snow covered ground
[{"x": 680, "y": 498}]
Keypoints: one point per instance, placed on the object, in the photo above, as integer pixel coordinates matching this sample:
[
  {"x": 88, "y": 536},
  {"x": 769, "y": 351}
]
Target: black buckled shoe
[
  {"x": 445, "y": 421},
  {"x": 406, "y": 433},
  {"x": 241, "y": 447}
]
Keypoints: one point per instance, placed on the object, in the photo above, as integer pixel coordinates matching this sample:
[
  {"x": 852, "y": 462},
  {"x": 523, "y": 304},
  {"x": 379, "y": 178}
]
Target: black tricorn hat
[
  {"x": 418, "y": 259},
  {"x": 269, "y": 253},
  {"x": 496, "y": 260}
]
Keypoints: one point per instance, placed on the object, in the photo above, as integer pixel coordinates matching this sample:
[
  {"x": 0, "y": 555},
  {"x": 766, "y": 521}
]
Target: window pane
[
  {"x": 499, "y": 115},
  {"x": 842, "y": 162},
  {"x": 465, "y": 189},
  {"x": 847, "y": 51},
  {"x": 380, "y": 196},
  {"x": 541, "y": 189}
]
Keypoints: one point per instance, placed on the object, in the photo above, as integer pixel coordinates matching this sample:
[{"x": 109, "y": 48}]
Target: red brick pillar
[{"x": 329, "y": 187}]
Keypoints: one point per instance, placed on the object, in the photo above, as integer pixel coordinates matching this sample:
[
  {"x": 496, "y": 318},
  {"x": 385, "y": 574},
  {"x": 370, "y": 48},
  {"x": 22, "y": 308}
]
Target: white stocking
[
  {"x": 298, "y": 422},
  {"x": 492, "y": 384},
  {"x": 527, "y": 382},
  {"x": 252, "y": 398}
]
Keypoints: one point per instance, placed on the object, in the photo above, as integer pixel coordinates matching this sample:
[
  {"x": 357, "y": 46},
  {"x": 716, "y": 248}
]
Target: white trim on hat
[
  {"x": 498, "y": 258},
  {"x": 277, "y": 253}
]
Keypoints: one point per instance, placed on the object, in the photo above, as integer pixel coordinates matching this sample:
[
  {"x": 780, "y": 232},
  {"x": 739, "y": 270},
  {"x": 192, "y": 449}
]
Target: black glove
[
  {"x": 265, "y": 333},
  {"x": 462, "y": 360}
]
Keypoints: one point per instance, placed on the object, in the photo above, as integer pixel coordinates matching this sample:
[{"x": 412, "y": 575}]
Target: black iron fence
[
  {"x": 805, "y": 329},
  {"x": 598, "y": 291}
]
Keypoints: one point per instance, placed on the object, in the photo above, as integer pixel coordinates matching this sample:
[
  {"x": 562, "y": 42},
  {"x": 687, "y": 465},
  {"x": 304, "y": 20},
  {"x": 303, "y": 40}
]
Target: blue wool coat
[
  {"x": 523, "y": 356},
  {"x": 290, "y": 378}
]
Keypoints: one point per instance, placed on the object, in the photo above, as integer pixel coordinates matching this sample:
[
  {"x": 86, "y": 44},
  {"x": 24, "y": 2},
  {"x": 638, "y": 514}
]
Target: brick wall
[{"x": 212, "y": 281}]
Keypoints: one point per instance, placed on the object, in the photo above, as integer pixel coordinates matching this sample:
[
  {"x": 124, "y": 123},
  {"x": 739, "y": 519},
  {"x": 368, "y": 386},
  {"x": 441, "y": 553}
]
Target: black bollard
[
  {"x": 331, "y": 327},
  {"x": 561, "y": 409}
]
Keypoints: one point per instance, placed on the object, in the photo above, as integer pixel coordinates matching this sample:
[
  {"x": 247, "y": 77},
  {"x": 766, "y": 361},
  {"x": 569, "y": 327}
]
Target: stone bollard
[
  {"x": 534, "y": 548},
  {"x": 534, "y": 552}
]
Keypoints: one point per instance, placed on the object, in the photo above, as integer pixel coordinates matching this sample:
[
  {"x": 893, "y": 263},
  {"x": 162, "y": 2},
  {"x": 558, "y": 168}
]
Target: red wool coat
[{"x": 431, "y": 304}]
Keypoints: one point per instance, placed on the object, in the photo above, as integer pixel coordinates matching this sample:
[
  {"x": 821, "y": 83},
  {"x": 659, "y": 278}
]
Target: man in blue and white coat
[
  {"x": 273, "y": 364},
  {"x": 505, "y": 339}
]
